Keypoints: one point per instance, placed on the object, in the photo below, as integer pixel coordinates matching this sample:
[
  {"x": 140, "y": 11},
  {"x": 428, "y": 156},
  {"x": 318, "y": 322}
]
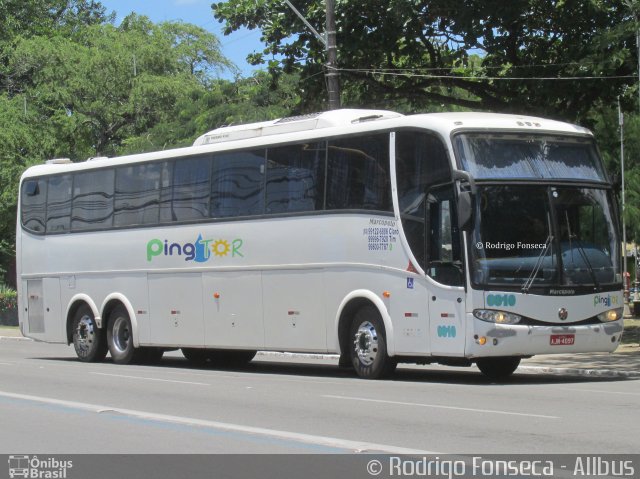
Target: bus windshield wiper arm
[
  {"x": 583, "y": 254},
  {"x": 529, "y": 282}
]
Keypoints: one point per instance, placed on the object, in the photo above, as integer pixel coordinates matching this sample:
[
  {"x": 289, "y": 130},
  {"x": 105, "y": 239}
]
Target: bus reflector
[{"x": 386, "y": 294}]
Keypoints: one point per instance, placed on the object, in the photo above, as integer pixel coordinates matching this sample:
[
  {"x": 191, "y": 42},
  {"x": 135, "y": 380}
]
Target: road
[{"x": 51, "y": 403}]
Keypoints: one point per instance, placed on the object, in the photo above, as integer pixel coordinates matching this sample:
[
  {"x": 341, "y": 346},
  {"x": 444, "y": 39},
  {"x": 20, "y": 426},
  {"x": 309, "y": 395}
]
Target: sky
[{"x": 235, "y": 47}]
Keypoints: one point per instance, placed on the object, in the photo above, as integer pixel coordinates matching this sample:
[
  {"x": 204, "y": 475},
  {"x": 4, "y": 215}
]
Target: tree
[
  {"x": 107, "y": 83},
  {"x": 416, "y": 52},
  {"x": 84, "y": 91},
  {"x": 224, "y": 102}
]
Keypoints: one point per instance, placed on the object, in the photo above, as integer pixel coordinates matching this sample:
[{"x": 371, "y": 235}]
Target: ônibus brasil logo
[{"x": 201, "y": 250}]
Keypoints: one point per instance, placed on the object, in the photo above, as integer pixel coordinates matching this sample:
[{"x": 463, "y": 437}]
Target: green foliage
[
  {"x": 8, "y": 298},
  {"x": 416, "y": 55},
  {"x": 224, "y": 102}
]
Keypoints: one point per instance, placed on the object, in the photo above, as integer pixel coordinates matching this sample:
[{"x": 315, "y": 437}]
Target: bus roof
[{"x": 331, "y": 123}]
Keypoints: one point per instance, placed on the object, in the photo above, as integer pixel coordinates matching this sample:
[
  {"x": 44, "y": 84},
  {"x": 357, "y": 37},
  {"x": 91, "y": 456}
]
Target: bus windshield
[
  {"x": 544, "y": 236},
  {"x": 526, "y": 156}
]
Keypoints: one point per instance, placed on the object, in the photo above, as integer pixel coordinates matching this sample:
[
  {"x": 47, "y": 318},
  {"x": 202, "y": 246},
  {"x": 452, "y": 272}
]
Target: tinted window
[
  {"x": 92, "y": 200},
  {"x": 421, "y": 163},
  {"x": 295, "y": 178},
  {"x": 516, "y": 155},
  {"x": 190, "y": 198},
  {"x": 34, "y": 204},
  {"x": 358, "y": 173},
  {"x": 137, "y": 195},
  {"x": 59, "y": 204},
  {"x": 237, "y": 184}
]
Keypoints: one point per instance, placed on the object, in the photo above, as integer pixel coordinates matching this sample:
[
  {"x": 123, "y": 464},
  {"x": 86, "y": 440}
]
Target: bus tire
[
  {"x": 89, "y": 341},
  {"x": 369, "y": 345},
  {"x": 120, "y": 338},
  {"x": 498, "y": 368}
]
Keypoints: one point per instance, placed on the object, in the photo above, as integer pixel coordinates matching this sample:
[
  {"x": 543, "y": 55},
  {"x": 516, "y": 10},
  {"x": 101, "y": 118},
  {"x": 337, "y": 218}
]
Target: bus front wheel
[
  {"x": 498, "y": 368},
  {"x": 369, "y": 345},
  {"x": 120, "y": 338},
  {"x": 88, "y": 340}
]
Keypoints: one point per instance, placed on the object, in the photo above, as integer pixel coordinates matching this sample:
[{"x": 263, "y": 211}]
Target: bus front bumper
[{"x": 489, "y": 339}]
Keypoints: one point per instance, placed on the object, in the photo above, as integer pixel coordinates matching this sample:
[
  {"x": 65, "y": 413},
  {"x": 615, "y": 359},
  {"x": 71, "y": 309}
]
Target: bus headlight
[
  {"x": 611, "y": 315},
  {"x": 498, "y": 317}
]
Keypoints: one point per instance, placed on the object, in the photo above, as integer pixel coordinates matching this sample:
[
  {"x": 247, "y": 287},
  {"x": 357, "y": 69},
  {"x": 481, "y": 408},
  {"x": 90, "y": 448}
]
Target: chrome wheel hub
[
  {"x": 85, "y": 333},
  {"x": 121, "y": 334},
  {"x": 365, "y": 343}
]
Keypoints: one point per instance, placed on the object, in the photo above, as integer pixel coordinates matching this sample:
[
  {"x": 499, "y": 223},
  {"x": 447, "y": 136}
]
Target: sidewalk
[{"x": 623, "y": 363}]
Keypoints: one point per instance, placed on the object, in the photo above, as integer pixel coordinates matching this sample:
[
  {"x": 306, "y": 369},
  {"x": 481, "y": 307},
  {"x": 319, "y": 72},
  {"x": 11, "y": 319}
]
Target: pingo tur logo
[
  {"x": 200, "y": 251},
  {"x": 38, "y": 468},
  {"x": 608, "y": 300}
]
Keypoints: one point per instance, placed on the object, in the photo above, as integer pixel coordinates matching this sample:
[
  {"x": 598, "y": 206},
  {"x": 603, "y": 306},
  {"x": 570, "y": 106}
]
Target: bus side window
[
  {"x": 92, "y": 204},
  {"x": 137, "y": 195},
  {"x": 358, "y": 173},
  {"x": 34, "y": 205},
  {"x": 237, "y": 184},
  {"x": 421, "y": 162},
  {"x": 295, "y": 178},
  {"x": 59, "y": 203},
  {"x": 191, "y": 188},
  {"x": 444, "y": 263}
]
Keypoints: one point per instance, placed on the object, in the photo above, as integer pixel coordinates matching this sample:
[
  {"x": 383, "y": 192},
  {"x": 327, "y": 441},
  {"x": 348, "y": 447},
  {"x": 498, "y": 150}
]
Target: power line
[{"x": 484, "y": 78}]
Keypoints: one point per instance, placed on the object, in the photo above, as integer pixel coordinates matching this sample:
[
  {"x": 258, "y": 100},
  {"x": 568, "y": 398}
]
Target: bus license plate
[{"x": 562, "y": 339}]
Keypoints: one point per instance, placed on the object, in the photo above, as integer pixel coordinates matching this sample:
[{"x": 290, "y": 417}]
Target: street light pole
[
  {"x": 624, "y": 227},
  {"x": 329, "y": 42},
  {"x": 333, "y": 85}
]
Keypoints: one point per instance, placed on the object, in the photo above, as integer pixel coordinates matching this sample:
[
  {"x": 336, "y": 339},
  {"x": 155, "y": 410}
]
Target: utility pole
[
  {"x": 329, "y": 42},
  {"x": 333, "y": 85},
  {"x": 624, "y": 227}
]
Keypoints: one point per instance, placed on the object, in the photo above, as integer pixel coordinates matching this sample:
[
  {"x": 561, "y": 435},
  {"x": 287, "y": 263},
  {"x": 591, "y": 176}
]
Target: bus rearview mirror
[{"x": 465, "y": 210}]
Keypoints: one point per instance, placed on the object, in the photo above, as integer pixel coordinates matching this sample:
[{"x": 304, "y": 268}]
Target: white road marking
[
  {"x": 602, "y": 391},
  {"x": 150, "y": 379},
  {"x": 353, "y": 446},
  {"x": 438, "y": 406}
]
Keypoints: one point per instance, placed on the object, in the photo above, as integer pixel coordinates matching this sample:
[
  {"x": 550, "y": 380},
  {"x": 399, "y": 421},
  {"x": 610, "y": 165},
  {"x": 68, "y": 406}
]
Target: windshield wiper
[
  {"x": 582, "y": 252},
  {"x": 529, "y": 282}
]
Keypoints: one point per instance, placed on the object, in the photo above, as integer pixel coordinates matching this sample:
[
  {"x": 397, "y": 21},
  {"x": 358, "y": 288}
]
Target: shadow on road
[{"x": 404, "y": 373}]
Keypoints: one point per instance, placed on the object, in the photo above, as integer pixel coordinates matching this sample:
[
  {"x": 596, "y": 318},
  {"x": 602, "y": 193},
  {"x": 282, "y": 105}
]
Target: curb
[{"x": 583, "y": 372}]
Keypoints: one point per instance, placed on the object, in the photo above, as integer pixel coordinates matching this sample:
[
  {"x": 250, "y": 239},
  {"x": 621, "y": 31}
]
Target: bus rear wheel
[
  {"x": 498, "y": 368},
  {"x": 369, "y": 345},
  {"x": 120, "y": 338},
  {"x": 88, "y": 340}
]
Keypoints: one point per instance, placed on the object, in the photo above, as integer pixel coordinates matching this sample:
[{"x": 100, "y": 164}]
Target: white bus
[{"x": 455, "y": 238}]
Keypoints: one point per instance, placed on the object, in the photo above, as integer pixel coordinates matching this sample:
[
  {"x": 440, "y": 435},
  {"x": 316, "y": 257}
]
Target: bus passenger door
[
  {"x": 175, "y": 309},
  {"x": 445, "y": 277}
]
